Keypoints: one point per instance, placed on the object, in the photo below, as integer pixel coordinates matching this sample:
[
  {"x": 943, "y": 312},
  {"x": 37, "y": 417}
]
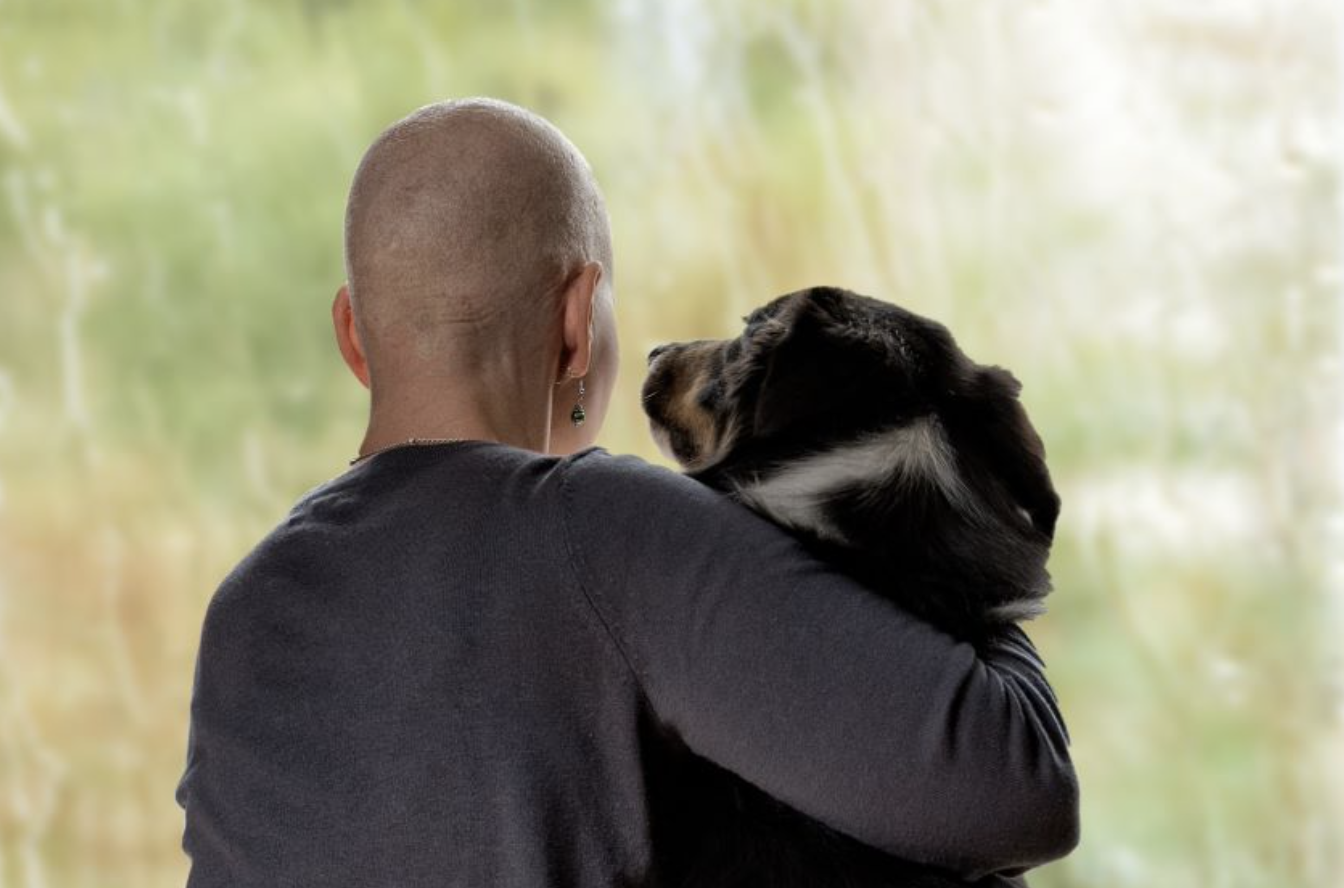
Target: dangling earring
[{"x": 577, "y": 415}]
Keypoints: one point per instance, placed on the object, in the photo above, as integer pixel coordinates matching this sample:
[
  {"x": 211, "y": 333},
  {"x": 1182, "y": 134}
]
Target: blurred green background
[{"x": 1135, "y": 206}]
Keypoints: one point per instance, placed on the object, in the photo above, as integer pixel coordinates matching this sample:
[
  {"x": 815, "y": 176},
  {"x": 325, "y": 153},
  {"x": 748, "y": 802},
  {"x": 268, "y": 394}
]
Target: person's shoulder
[
  {"x": 628, "y": 492},
  {"x": 597, "y": 472},
  {"x": 598, "y": 462}
]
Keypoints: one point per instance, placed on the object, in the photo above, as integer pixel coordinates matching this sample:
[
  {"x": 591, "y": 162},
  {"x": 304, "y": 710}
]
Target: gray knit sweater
[{"x": 461, "y": 665}]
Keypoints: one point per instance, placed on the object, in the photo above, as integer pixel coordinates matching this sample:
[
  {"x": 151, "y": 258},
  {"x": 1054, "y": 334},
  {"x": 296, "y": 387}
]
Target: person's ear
[
  {"x": 347, "y": 337},
  {"x": 578, "y": 301}
]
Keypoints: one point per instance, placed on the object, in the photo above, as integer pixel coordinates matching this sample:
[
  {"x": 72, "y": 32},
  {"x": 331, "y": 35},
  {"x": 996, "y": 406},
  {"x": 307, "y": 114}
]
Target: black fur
[{"x": 814, "y": 372}]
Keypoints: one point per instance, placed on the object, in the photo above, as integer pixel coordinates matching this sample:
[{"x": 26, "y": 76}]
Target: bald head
[{"x": 465, "y": 219}]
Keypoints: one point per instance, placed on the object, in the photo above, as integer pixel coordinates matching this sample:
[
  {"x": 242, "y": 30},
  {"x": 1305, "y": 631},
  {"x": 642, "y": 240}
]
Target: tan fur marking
[{"x": 686, "y": 414}]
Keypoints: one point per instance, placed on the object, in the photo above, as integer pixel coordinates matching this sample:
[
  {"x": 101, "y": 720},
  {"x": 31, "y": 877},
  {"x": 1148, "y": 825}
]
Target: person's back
[
  {"x": 473, "y": 663},
  {"x": 403, "y": 685}
]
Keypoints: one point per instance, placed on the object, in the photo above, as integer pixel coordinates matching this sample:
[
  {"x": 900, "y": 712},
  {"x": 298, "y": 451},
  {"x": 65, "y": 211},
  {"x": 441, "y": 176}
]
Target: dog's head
[{"x": 843, "y": 416}]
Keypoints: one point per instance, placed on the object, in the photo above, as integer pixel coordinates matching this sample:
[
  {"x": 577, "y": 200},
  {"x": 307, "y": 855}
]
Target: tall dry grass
[{"x": 1134, "y": 206}]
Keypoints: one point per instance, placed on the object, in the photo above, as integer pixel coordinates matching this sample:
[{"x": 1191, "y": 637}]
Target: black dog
[{"x": 863, "y": 428}]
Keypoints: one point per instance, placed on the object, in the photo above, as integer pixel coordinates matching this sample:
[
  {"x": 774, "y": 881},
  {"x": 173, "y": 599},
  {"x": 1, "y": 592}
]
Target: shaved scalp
[{"x": 464, "y": 221}]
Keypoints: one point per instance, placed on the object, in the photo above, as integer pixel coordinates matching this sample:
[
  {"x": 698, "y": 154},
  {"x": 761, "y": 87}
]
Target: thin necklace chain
[
  {"x": 412, "y": 442},
  {"x": 409, "y": 442}
]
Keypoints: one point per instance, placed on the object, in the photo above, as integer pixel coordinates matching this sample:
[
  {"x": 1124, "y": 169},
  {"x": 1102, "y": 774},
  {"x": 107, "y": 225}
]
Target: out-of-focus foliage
[{"x": 1135, "y": 206}]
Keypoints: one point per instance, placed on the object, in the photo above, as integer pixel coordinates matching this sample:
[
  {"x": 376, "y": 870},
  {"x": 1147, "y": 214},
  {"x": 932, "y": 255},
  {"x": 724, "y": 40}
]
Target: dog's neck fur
[{"x": 894, "y": 508}]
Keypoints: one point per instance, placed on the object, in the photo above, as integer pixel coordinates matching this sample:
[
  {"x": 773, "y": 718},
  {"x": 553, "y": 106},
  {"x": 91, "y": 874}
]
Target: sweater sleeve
[{"x": 815, "y": 689}]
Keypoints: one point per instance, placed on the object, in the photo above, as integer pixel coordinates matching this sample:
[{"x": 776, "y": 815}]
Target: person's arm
[{"x": 810, "y": 686}]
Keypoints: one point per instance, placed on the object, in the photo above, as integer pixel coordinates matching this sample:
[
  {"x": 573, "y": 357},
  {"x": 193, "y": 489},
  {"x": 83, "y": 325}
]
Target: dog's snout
[{"x": 658, "y": 350}]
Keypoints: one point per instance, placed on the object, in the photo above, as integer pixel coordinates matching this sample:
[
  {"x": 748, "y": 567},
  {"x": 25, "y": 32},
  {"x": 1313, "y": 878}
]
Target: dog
[{"x": 862, "y": 428}]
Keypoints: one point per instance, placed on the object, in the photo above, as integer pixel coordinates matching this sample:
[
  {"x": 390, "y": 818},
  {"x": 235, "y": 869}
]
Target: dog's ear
[
  {"x": 1010, "y": 445},
  {"x": 804, "y": 370}
]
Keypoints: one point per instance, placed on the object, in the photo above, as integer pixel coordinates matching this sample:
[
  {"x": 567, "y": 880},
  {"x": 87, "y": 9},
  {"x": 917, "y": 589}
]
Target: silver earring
[{"x": 577, "y": 415}]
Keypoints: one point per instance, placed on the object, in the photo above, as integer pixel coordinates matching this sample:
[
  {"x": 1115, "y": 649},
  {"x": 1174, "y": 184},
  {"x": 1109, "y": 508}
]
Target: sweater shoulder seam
[{"x": 573, "y": 561}]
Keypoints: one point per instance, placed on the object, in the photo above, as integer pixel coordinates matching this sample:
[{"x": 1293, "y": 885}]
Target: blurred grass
[{"x": 1133, "y": 206}]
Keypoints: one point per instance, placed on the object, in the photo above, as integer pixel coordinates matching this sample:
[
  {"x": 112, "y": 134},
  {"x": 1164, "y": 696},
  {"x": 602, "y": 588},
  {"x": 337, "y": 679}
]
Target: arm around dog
[{"x": 825, "y": 695}]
